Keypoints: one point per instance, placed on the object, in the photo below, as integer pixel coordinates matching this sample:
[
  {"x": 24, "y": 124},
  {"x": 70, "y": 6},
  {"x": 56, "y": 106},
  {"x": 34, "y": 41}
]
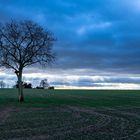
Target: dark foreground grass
[{"x": 70, "y": 114}]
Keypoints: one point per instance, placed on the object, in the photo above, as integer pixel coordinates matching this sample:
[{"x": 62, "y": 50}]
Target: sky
[{"x": 98, "y": 42}]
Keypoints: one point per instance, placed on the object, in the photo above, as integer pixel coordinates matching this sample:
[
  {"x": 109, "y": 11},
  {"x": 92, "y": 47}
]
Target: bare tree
[
  {"x": 24, "y": 43},
  {"x": 2, "y": 84},
  {"x": 44, "y": 83}
]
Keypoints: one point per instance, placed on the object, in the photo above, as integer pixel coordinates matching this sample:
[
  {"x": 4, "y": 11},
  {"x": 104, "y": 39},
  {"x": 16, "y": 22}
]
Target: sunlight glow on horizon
[{"x": 81, "y": 80}]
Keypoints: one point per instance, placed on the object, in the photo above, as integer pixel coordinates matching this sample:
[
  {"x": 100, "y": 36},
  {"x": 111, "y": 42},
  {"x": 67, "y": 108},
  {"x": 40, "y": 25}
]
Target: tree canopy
[{"x": 24, "y": 43}]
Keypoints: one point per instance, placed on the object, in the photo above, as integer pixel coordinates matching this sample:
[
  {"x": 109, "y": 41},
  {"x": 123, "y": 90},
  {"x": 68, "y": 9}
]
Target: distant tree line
[
  {"x": 24, "y": 85},
  {"x": 43, "y": 85}
]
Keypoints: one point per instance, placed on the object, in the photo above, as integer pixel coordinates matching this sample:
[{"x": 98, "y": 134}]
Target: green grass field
[{"x": 70, "y": 115}]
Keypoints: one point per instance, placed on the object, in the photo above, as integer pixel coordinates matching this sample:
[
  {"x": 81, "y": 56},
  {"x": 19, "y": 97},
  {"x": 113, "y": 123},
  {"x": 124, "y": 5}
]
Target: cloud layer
[{"x": 92, "y": 34}]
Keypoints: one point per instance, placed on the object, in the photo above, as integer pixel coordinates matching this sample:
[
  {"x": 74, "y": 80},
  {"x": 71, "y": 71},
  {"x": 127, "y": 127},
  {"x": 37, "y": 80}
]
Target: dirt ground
[{"x": 70, "y": 122}]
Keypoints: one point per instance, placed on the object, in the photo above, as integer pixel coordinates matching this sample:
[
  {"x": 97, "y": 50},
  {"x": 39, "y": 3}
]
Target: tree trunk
[{"x": 20, "y": 87}]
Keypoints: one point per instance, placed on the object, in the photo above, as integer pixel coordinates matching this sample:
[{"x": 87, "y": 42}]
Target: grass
[
  {"x": 70, "y": 114},
  {"x": 89, "y": 98}
]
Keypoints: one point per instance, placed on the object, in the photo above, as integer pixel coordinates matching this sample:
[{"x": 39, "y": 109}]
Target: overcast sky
[{"x": 98, "y": 40}]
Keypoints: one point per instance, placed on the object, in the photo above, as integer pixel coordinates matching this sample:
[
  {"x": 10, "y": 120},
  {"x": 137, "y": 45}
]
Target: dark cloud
[
  {"x": 92, "y": 34},
  {"x": 99, "y": 81}
]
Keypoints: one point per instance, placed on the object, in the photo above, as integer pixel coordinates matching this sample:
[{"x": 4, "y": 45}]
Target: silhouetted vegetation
[
  {"x": 24, "y": 85},
  {"x": 2, "y": 84},
  {"x": 44, "y": 83},
  {"x": 52, "y": 87}
]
